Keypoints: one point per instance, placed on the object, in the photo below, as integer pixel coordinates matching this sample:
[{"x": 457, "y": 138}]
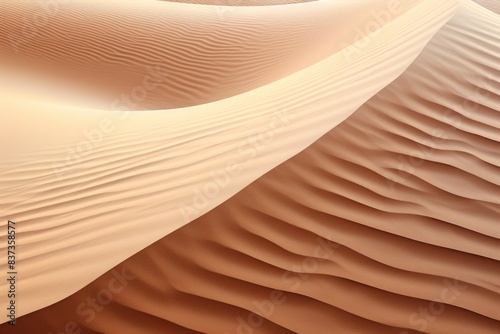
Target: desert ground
[{"x": 241, "y": 167}]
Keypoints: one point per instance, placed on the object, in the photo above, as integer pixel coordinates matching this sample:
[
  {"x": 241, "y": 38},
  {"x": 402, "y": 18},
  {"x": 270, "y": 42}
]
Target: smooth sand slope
[
  {"x": 90, "y": 188},
  {"x": 386, "y": 224}
]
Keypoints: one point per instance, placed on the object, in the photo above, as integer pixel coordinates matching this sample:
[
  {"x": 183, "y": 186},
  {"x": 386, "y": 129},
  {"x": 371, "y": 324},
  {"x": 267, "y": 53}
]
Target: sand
[
  {"x": 371, "y": 195},
  {"x": 492, "y": 5}
]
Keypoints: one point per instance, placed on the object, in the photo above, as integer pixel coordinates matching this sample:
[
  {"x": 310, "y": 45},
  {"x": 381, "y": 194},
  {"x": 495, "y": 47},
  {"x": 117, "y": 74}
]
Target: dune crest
[
  {"x": 308, "y": 166},
  {"x": 91, "y": 183},
  {"x": 386, "y": 224}
]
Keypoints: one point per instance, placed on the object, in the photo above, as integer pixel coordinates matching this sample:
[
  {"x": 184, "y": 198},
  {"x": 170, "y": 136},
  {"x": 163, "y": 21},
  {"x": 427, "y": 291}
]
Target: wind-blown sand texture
[{"x": 294, "y": 173}]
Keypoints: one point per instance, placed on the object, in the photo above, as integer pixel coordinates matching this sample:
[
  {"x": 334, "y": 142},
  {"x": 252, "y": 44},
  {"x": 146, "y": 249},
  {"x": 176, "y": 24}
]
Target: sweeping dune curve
[{"x": 370, "y": 195}]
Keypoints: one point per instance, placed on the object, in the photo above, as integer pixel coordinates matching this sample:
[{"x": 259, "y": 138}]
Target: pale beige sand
[
  {"x": 241, "y": 2},
  {"x": 387, "y": 224},
  {"x": 139, "y": 181}
]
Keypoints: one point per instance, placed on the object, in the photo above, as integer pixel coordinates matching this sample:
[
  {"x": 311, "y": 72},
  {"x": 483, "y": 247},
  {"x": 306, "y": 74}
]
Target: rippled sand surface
[{"x": 252, "y": 167}]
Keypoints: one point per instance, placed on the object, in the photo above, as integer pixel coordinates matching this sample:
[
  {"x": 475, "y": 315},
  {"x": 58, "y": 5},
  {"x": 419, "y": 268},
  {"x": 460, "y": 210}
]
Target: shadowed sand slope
[
  {"x": 91, "y": 53},
  {"x": 386, "y": 224},
  {"x": 84, "y": 184}
]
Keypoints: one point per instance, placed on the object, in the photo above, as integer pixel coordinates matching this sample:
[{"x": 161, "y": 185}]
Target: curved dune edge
[
  {"x": 183, "y": 55},
  {"x": 359, "y": 232},
  {"x": 133, "y": 189}
]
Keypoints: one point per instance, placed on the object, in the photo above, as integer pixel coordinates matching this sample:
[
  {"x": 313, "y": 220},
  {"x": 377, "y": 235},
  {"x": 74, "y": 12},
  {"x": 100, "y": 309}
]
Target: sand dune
[
  {"x": 92, "y": 187},
  {"x": 492, "y": 5},
  {"x": 193, "y": 54},
  {"x": 388, "y": 223}
]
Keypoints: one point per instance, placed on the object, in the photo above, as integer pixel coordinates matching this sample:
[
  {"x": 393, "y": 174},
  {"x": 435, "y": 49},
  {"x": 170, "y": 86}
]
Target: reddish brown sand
[
  {"x": 84, "y": 182},
  {"x": 241, "y": 2},
  {"x": 387, "y": 224}
]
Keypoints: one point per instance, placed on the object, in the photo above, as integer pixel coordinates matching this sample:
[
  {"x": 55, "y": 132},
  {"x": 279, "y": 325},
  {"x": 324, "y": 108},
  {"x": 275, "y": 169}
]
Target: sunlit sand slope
[
  {"x": 386, "y": 224},
  {"x": 89, "y": 188}
]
